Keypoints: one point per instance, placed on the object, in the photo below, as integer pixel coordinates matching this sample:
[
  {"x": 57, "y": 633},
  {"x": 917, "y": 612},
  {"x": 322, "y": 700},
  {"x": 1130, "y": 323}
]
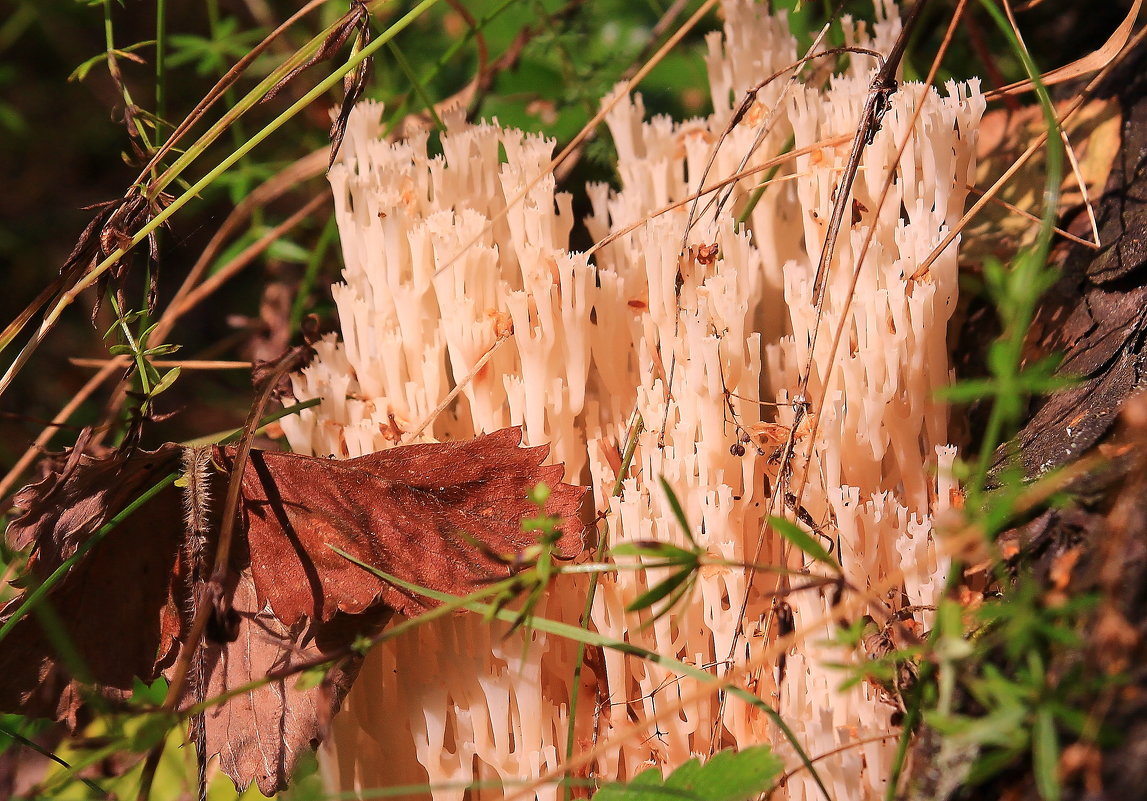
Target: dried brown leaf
[
  {"x": 260, "y": 734},
  {"x": 421, "y": 501},
  {"x": 115, "y": 605}
]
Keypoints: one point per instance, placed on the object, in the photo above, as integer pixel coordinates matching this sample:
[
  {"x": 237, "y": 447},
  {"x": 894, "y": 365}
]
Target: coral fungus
[{"x": 705, "y": 333}]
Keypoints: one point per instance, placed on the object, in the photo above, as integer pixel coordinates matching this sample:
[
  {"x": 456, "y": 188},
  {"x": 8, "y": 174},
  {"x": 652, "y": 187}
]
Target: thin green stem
[
  {"x": 310, "y": 274},
  {"x": 44, "y": 752},
  {"x": 454, "y": 604},
  {"x": 755, "y": 196},
  {"x": 242, "y": 186},
  {"x": 113, "y": 68},
  {"x": 48, "y": 788},
  {"x": 136, "y": 351},
  {"x": 295, "y": 108},
  {"x": 416, "y": 85},
  {"x": 226, "y": 437},
  {"x": 161, "y": 61}
]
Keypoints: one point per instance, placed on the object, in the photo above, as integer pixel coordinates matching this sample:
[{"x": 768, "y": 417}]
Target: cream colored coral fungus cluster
[{"x": 444, "y": 253}]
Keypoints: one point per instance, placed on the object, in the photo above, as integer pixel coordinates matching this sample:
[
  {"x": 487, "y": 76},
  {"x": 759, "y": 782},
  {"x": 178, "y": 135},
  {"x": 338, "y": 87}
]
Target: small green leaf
[
  {"x": 151, "y": 373},
  {"x": 283, "y": 250},
  {"x": 544, "y": 524},
  {"x": 965, "y": 391},
  {"x": 662, "y": 550},
  {"x": 162, "y": 350},
  {"x": 540, "y": 494},
  {"x": 120, "y": 350},
  {"x": 166, "y": 381},
  {"x": 148, "y": 694},
  {"x": 81, "y": 72},
  {"x": 310, "y": 678},
  {"x": 153, "y": 728},
  {"x": 659, "y": 591},
  {"x": 147, "y": 332},
  {"x": 674, "y": 599},
  {"x": 728, "y": 776},
  {"x": 123, "y": 320},
  {"x": 678, "y": 512},
  {"x": 803, "y": 541},
  {"x": 850, "y": 635},
  {"x": 1000, "y": 360}
]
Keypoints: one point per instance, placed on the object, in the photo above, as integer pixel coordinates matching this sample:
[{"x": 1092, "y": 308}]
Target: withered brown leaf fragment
[
  {"x": 116, "y": 605},
  {"x": 407, "y": 511},
  {"x": 260, "y": 734},
  {"x": 356, "y": 19},
  {"x": 438, "y": 515},
  {"x": 354, "y": 84}
]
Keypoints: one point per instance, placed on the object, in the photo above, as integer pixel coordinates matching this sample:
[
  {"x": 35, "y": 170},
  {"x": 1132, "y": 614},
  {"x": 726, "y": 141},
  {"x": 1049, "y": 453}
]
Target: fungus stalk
[{"x": 441, "y": 262}]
